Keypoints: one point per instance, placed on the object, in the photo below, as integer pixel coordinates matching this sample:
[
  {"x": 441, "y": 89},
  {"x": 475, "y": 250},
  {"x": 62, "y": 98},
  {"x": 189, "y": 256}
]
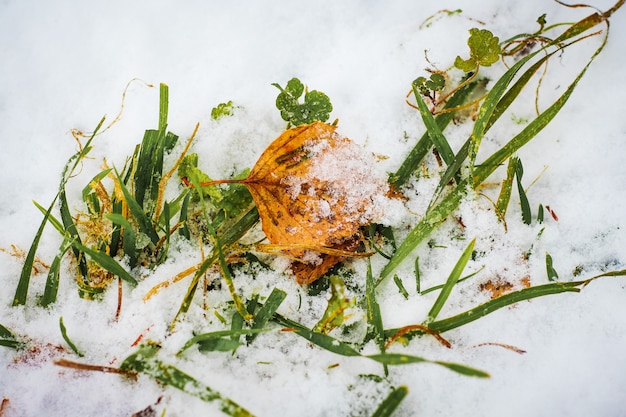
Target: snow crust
[{"x": 65, "y": 65}]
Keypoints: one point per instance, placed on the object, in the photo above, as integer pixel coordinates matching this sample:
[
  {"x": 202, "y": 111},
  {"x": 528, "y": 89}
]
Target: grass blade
[
  {"x": 552, "y": 274},
  {"x": 105, "y": 261},
  {"x": 419, "y": 151},
  {"x": 393, "y": 400},
  {"x": 503, "y": 301},
  {"x": 52, "y": 282},
  {"x": 434, "y": 132},
  {"x": 144, "y": 361},
  {"x": 265, "y": 313},
  {"x": 233, "y": 335},
  {"x": 143, "y": 220},
  {"x": 67, "y": 339},
  {"x": 507, "y": 186},
  {"x": 374, "y": 318},
  {"x": 526, "y": 214},
  {"x": 451, "y": 282},
  {"x": 8, "y": 339}
]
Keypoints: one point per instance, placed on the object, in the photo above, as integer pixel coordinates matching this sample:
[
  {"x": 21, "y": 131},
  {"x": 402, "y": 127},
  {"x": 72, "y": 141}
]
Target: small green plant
[{"x": 316, "y": 105}]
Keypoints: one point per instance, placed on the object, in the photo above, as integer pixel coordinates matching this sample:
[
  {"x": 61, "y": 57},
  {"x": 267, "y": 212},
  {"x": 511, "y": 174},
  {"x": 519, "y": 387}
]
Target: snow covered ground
[{"x": 65, "y": 64}]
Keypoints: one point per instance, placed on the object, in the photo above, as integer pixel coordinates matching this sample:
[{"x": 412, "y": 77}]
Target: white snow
[{"x": 65, "y": 64}]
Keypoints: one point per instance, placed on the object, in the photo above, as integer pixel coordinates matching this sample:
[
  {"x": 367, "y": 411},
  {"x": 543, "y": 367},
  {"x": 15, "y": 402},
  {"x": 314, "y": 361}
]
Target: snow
[{"x": 65, "y": 65}]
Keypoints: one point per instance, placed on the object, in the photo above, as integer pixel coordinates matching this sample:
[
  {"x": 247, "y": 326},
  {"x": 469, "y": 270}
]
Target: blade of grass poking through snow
[
  {"x": 393, "y": 400},
  {"x": 219, "y": 251},
  {"x": 130, "y": 237},
  {"x": 552, "y": 274},
  {"x": 450, "y": 202},
  {"x": 21, "y": 292},
  {"x": 8, "y": 339},
  {"x": 266, "y": 312},
  {"x": 342, "y": 348},
  {"x": 232, "y": 235},
  {"x": 374, "y": 318},
  {"x": 143, "y": 220},
  {"x": 70, "y": 227},
  {"x": 434, "y": 132},
  {"x": 144, "y": 361},
  {"x": 451, "y": 282},
  {"x": 221, "y": 340},
  {"x": 419, "y": 151},
  {"x": 67, "y": 339},
  {"x": 52, "y": 282},
  {"x": 105, "y": 261},
  {"x": 505, "y": 191},
  {"x": 523, "y": 199}
]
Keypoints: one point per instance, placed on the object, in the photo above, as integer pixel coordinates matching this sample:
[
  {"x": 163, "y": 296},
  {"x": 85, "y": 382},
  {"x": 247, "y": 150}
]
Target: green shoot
[
  {"x": 552, "y": 274},
  {"x": 526, "y": 215},
  {"x": 67, "y": 339},
  {"x": 316, "y": 105},
  {"x": 484, "y": 51},
  {"x": 400, "y": 286},
  {"x": 222, "y": 110},
  {"x": 393, "y": 400},
  {"x": 8, "y": 339},
  {"x": 337, "y": 305}
]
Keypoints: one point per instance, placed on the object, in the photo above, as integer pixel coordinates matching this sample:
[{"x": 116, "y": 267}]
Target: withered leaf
[{"x": 314, "y": 188}]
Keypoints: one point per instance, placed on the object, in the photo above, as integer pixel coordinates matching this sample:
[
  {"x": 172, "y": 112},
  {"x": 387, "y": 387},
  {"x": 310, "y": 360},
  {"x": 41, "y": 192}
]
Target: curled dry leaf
[{"x": 314, "y": 189}]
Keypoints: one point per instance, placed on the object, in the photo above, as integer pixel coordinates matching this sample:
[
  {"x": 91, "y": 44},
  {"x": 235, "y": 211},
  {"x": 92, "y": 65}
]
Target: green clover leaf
[
  {"x": 316, "y": 105},
  {"x": 484, "y": 50}
]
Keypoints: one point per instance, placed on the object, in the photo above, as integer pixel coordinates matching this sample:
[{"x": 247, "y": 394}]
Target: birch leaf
[{"x": 314, "y": 189}]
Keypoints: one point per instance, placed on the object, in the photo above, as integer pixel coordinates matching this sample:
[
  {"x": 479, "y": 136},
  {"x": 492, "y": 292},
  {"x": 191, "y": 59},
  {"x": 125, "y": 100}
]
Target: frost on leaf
[
  {"x": 484, "y": 50},
  {"x": 314, "y": 189}
]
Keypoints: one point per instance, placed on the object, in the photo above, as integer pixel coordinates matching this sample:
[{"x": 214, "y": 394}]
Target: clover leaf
[
  {"x": 316, "y": 105},
  {"x": 484, "y": 50},
  {"x": 427, "y": 87}
]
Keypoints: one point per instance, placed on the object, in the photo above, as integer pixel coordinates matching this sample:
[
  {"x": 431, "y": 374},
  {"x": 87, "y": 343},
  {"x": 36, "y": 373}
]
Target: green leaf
[
  {"x": 8, "y": 339},
  {"x": 526, "y": 214},
  {"x": 451, "y": 282},
  {"x": 337, "y": 304},
  {"x": 552, "y": 274},
  {"x": 144, "y": 361},
  {"x": 484, "y": 50},
  {"x": 266, "y": 312},
  {"x": 393, "y": 400},
  {"x": 505, "y": 191},
  {"x": 400, "y": 286},
  {"x": 222, "y": 110},
  {"x": 67, "y": 339},
  {"x": 316, "y": 105}
]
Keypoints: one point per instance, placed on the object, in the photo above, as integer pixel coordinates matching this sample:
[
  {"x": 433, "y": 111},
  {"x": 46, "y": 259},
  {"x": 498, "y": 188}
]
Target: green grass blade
[
  {"x": 130, "y": 237},
  {"x": 526, "y": 214},
  {"x": 144, "y": 361},
  {"x": 434, "y": 132},
  {"x": 52, "y": 282},
  {"x": 232, "y": 336},
  {"x": 143, "y": 220},
  {"x": 451, "y": 282},
  {"x": 393, "y": 400},
  {"x": 163, "y": 106},
  {"x": 552, "y": 274},
  {"x": 105, "y": 261},
  {"x": 266, "y": 312},
  {"x": 423, "y": 229},
  {"x": 374, "y": 317},
  {"x": 70, "y": 227},
  {"x": 419, "y": 151},
  {"x": 503, "y": 301},
  {"x": 402, "y": 359},
  {"x": 507, "y": 186},
  {"x": 8, "y": 339},
  {"x": 320, "y": 339},
  {"x": 21, "y": 292},
  {"x": 67, "y": 339}
]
